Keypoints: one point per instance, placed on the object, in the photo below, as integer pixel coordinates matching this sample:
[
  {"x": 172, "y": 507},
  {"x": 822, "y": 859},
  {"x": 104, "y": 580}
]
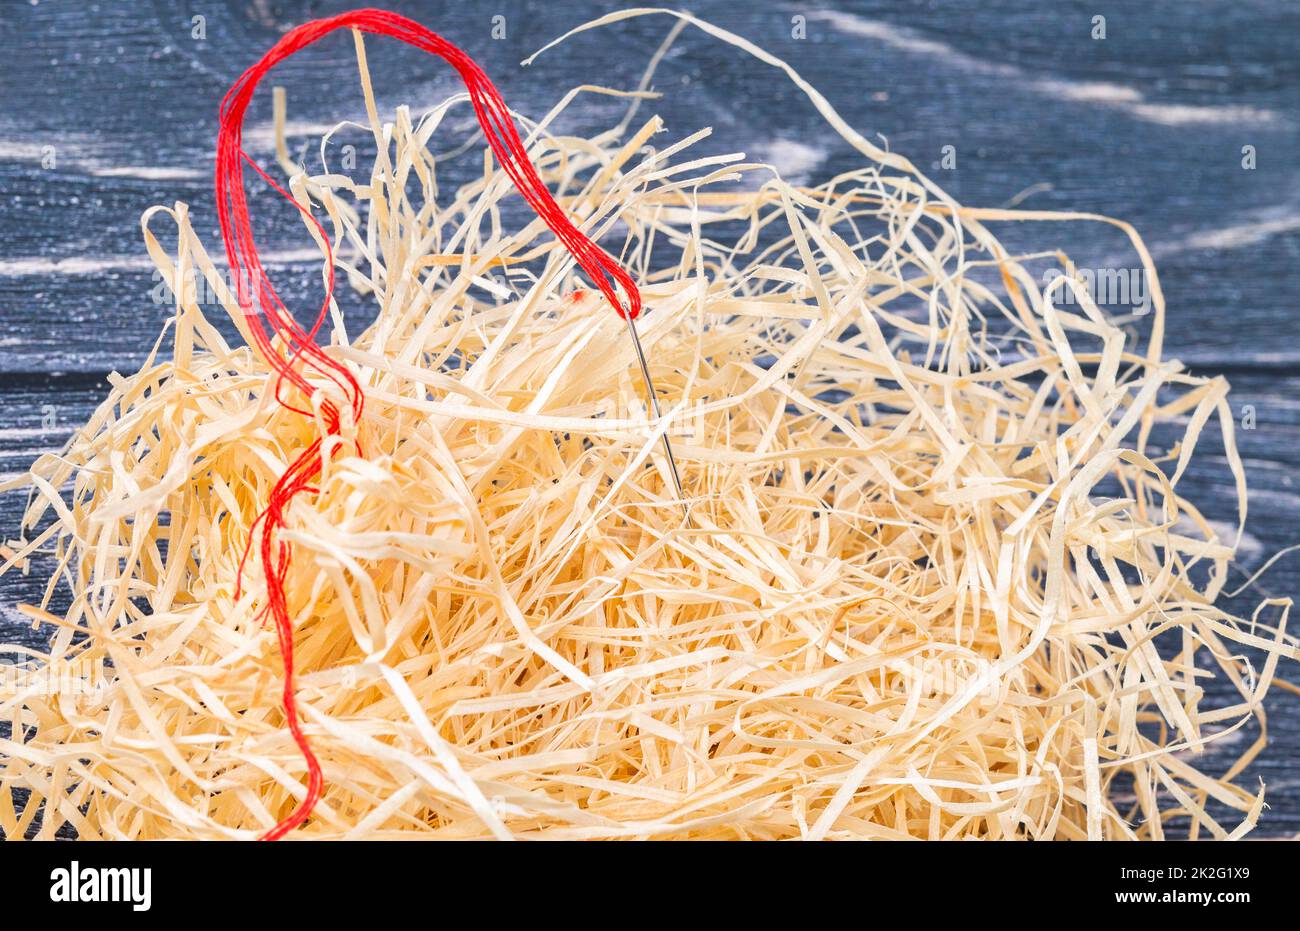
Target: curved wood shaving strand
[{"x": 938, "y": 582}]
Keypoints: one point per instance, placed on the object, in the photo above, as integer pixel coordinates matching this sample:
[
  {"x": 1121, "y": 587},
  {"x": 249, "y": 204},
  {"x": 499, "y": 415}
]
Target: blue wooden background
[{"x": 109, "y": 108}]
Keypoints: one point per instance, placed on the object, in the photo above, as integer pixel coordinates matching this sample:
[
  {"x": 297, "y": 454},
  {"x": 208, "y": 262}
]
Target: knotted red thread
[{"x": 297, "y": 355}]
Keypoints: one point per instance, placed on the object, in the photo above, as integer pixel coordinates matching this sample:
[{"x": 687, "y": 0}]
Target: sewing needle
[{"x": 654, "y": 406}]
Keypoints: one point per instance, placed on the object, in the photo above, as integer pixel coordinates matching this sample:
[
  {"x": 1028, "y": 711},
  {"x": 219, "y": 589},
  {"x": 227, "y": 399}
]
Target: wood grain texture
[{"x": 1148, "y": 125}]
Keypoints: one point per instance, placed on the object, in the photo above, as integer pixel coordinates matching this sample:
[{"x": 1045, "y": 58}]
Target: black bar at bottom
[{"x": 315, "y": 880}]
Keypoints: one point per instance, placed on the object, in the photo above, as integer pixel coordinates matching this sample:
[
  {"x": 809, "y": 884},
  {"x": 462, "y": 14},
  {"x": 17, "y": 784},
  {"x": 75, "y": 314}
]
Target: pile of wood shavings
[{"x": 907, "y": 603}]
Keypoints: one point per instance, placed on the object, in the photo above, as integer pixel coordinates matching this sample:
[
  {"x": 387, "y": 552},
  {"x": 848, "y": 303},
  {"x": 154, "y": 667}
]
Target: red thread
[{"x": 292, "y": 351}]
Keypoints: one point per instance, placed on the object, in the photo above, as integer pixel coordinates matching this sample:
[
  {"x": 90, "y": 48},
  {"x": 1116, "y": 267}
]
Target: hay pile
[{"x": 933, "y": 583}]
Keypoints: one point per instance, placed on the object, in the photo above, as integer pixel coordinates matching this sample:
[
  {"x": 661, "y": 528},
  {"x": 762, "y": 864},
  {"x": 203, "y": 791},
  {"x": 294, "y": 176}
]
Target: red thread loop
[{"x": 297, "y": 352}]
